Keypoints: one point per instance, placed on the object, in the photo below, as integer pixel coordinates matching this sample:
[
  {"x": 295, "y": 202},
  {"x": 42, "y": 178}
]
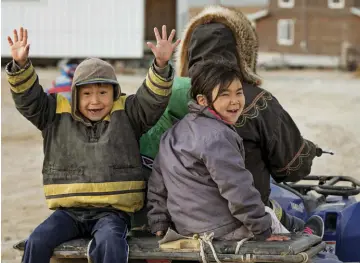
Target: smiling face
[
  {"x": 229, "y": 103},
  {"x": 96, "y": 100},
  {"x": 217, "y": 84}
]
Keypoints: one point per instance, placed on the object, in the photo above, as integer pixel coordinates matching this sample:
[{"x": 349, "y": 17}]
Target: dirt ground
[{"x": 325, "y": 105}]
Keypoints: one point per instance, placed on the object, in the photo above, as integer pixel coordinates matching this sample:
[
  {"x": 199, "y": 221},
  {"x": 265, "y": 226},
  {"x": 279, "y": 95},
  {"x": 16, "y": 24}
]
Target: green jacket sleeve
[
  {"x": 176, "y": 110},
  {"x": 30, "y": 99},
  {"x": 148, "y": 104}
]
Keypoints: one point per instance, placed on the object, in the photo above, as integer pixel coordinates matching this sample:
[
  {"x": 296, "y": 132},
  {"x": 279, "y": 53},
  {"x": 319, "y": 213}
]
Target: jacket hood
[
  {"x": 219, "y": 32},
  {"x": 90, "y": 71}
]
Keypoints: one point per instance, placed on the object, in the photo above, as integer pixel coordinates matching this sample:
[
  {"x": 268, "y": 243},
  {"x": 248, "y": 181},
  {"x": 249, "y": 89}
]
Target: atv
[{"x": 334, "y": 202}]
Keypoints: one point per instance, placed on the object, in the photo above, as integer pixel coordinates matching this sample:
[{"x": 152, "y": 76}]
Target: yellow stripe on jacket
[
  {"x": 62, "y": 104},
  {"x": 127, "y": 196},
  {"x": 22, "y": 80},
  {"x": 130, "y": 202},
  {"x": 157, "y": 84},
  {"x": 119, "y": 104}
]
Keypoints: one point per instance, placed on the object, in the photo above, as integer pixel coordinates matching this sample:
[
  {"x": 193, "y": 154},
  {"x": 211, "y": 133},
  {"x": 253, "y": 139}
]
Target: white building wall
[{"x": 77, "y": 28}]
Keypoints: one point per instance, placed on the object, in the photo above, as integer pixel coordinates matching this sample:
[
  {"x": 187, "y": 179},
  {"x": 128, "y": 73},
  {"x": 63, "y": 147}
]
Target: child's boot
[{"x": 314, "y": 226}]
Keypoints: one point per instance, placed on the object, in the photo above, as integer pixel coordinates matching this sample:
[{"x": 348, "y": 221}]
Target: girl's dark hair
[{"x": 206, "y": 75}]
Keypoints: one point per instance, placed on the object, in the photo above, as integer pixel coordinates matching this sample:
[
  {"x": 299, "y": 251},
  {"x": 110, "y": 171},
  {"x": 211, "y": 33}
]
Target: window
[
  {"x": 336, "y": 3},
  {"x": 285, "y": 32},
  {"x": 286, "y": 3}
]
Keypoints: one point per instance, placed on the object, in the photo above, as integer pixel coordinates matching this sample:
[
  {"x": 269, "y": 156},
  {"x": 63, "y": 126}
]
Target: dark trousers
[{"x": 108, "y": 245}]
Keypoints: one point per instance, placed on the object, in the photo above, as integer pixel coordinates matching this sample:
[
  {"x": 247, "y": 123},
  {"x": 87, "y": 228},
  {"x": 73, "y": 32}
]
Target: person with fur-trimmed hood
[{"x": 273, "y": 144}]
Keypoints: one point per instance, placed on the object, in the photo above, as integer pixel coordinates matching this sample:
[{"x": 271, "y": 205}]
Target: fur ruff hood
[{"x": 243, "y": 32}]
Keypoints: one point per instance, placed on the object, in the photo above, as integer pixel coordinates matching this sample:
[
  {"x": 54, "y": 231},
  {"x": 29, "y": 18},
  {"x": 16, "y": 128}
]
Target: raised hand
[
  {"x": 164, "y": 46},
  {"x": 19, "y": 47}
]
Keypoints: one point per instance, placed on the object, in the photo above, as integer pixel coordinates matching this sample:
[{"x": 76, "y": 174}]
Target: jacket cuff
[
  {"x": 263, "y": 236},
  {"x": 312, "y": 147},
  {"x": 163, "y": 72},
  {"x": 159, "y": 226},
  {"x": 158, "y": 84},
  {"x": 12, "y": 68},
  {"x": 20, "y": 79}
]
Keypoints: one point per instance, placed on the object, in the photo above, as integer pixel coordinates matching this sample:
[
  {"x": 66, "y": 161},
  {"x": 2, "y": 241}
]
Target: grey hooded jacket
[{"x": 199, "y": 181}]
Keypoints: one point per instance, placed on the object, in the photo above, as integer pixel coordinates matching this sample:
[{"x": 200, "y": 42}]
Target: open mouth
[
  {"x": 233, "y": 111},
  {"x": 94, "y": 111}
]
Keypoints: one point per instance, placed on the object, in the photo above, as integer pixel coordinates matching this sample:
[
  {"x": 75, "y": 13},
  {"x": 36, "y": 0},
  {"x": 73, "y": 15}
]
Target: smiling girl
[{"x": 199, "y": 182}]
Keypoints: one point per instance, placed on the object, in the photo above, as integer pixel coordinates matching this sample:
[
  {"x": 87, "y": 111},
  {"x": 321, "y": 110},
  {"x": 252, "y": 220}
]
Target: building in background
[
  {"x": 176, "y": 13},
  {"x": 105, "y": 28},
  {"x": 320, "y": 33},
  {"x": 299, "y": 33},
  {"x": 81, "y": 28},
  {"x": 110, "y": 29}
]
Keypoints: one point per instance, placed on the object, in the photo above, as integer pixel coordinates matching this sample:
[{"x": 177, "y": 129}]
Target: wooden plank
[
  {"x": 148, "y": 248},
  {"x": 299, "y": 258}
]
